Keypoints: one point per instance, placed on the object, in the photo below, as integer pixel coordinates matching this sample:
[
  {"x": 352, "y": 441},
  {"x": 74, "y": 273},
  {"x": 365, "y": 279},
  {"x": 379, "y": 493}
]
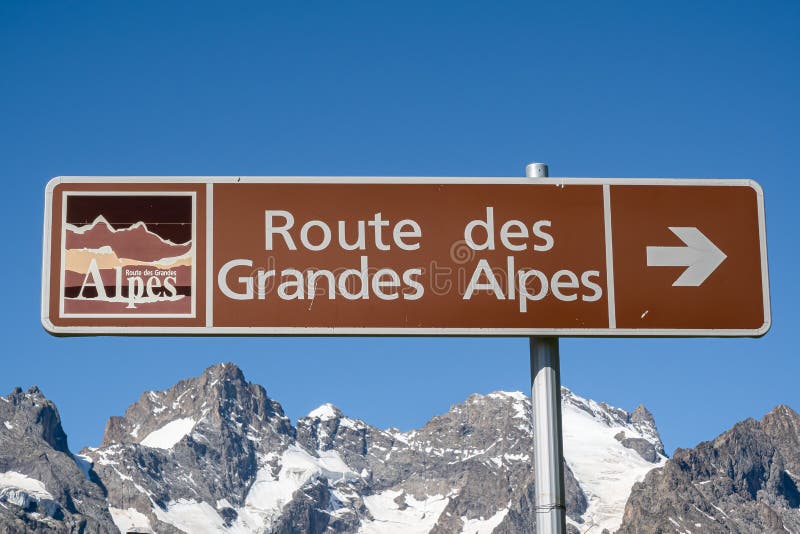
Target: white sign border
[{"x": 382, "y": 331}]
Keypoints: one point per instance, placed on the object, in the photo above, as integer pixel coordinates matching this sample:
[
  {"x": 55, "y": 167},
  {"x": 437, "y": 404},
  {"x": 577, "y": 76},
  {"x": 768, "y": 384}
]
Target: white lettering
[
  {"x": 378, "y": 283},
  {"x": 97, "y": 280},
  {"x": 135, "y": 290},
  {"x": 487, "y": 225},
  {"x": 408, "y": 279},
  {"x": 169, "y": 285},
  {"x": 506, "y": 234},
  {"x": 558, "y": 284},
  {"x": 362, "y": 277},
  {"x": 524, "y": 294},
  {"x": 378, "y": 223},
  {"x": 271, "y": 229},
  {"x": 295, "y": 281},
  {"x": 222, "y": 280},
  {"x": 492, "y": 285},
  {"x": 586, "y": 280},
  {"x": 360, "y": 243},
  {"x": 326, "y": 235},
  {"x": 543, "y": 235},
  {"x": 400, "y": 234}
]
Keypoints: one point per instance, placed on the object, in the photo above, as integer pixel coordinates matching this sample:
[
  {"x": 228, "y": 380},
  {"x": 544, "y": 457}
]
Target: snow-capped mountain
[
  {"x": 608, "y": 450},
  {"x": 214, "y": 454}
]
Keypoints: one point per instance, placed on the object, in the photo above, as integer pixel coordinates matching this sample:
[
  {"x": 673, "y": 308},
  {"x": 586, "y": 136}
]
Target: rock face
[
  {"x": 214, "y": 454},
  {"x": 746, "y": 480},
  {"x": 191, "y": 453},
  {"x": 42, "y": 487},
  {"x": 470, "y": 465}
]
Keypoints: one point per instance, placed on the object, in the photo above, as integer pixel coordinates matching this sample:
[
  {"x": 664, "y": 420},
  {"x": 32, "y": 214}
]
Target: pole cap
[{"x": 536, "y": 170}]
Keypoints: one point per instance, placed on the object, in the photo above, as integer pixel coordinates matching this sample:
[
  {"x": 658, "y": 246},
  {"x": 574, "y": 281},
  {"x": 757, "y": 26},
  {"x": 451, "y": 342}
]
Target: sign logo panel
[{"x": 127, "y": 255}]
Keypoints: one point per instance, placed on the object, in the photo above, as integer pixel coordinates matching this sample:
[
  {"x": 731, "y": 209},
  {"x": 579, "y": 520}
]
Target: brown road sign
[{"x": 405, "y": 256}]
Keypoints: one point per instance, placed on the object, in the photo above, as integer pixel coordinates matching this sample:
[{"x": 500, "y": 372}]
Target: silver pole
[{"x": 548, "y": 447}]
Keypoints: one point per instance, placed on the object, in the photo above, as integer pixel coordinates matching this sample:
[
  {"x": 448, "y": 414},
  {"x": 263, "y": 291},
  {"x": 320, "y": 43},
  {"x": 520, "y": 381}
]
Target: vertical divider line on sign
[
  {"x": 610, "y": 297},
  {"x": 209, "y": 254}
]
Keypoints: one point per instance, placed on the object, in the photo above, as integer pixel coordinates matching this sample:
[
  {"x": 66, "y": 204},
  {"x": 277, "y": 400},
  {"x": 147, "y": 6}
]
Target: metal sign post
[{"x": 548, "y": 448}]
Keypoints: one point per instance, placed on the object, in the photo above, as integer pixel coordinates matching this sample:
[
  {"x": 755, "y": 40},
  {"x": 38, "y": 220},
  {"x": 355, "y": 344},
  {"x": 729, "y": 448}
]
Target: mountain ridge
[
  {"x": 741, "y": 481},
  {"x": 133, "y": 242},
  {"x": 214, "y": 453}
]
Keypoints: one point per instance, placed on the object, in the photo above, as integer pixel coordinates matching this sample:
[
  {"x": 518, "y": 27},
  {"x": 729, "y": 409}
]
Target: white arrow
[{"x": 700, "y": 256}]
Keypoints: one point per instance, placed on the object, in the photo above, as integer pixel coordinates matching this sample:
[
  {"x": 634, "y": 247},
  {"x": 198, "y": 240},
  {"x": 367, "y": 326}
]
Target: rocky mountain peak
[
  {"x": 34, "y": 394},
  {"x": 42, "y": 488},
  {"x": 640, "y": 414},
  {"x": 225, "y": 372},
  {"x": 782, "y": 425},
  {"x": 325, "y": 412},
  {"x": 32, "y": 413},
  {"x": 215, "y": 454},
  {"x": 784, "y": 416},
  {"x": 326, "y": 428},
  {"x": 744, "y": 480},
  {"x": 220, "y": 398},
  {"x": 206, "y": 437}
]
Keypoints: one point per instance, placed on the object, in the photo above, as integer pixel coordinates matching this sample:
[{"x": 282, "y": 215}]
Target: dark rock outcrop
[
  {"x": 742, "y": 481},
  {"x": 42, "y": 487}
]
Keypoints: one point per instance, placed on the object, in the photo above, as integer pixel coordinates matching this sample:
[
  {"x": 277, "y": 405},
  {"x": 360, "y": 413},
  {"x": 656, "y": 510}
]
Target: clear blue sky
[{"x": 622, "y": 89}]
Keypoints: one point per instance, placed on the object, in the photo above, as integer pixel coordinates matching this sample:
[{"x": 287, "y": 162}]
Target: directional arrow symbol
[{"x": 700, "y": 256}]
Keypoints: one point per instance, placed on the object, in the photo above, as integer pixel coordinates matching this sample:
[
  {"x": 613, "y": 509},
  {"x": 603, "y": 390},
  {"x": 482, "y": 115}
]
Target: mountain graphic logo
[{"x": 128, "y": 255}]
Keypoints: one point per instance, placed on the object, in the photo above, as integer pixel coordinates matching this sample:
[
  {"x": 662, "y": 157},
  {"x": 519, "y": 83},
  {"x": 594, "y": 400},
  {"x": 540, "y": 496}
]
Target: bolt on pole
[{"x": 548, "y": 446}]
